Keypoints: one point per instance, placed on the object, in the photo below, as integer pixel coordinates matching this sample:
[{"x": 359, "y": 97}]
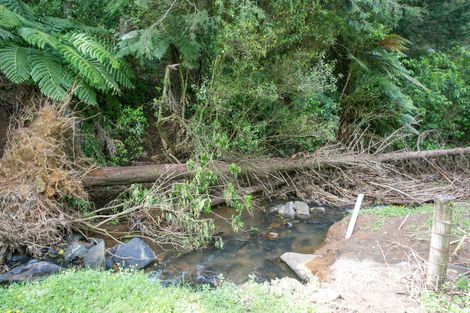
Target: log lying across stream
[{"x": 111, "y": 176}]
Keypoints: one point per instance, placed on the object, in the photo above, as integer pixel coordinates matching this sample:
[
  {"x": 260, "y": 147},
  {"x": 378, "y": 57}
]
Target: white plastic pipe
[{"x": 353, "y": 220}]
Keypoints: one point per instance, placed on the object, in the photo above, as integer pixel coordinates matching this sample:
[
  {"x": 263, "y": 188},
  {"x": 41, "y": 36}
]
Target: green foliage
[
  {"x": 444, "y": 107},
  {"x": 134, "y": 292},
  {"x": 177, "y": 30},
  {"x": 452, "y": 298},
  {"x": 130, "y": 130},
  {"x": 56, "y": 55},
  {"x": 91, "y": 147},
  {"x": 443, "y": 24}
]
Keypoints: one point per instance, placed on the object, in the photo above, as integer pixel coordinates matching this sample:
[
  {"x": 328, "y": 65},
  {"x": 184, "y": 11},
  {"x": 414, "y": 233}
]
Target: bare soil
[
  {"x": 368, "y": 271},
  {"x": 4, "y": 122}
]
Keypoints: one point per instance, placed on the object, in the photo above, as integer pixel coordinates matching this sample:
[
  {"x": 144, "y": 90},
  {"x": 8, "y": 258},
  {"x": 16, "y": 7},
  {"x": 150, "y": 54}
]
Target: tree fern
[
  {"x": 83, "y": 66},
  {"x": 57, "y": 56},
  {"x": 190, "y": 51},
  {"x": 19, "y": 8},
  {"x": 108, "y": 78},
  {"x": 89, "y": 46},
  {"x": 47, "y": 72},
  {"x": 8, "y": 19},
  {"x": 147, "y": 44},
  {"x": 14, "y": 63},
  {"x": 36, "y": 37},
  {"x": 4, "y": 35},
  {"x": 85, "y": 93},
  {"x": 121, "y": 75}
]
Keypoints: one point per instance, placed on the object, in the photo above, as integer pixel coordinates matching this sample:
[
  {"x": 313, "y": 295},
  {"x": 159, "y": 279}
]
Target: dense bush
[
  {"x": 278, "y": 77},
  {"x": 443, "y": 108}
]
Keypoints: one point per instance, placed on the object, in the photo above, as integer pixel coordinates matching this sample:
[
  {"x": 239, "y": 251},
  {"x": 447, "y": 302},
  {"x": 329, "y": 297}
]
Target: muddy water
[{"x": 254, "y": 252}]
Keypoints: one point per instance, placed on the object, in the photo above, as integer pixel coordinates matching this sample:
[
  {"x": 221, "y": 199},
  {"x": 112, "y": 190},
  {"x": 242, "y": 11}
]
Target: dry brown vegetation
[{"x": 38, "y": 171}]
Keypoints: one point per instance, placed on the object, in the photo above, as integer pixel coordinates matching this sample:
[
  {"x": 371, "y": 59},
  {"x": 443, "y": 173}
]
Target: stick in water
[{"x": 352, "y": 222}]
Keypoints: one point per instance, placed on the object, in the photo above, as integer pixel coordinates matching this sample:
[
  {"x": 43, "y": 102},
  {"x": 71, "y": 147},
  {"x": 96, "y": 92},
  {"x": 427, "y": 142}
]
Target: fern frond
[
  {"x": 92, "y": 48},
  {"x": 107, "y": 77},
  {"x": 8, "y": 19},
  {"x": 144, "y": 44},
  {"x": 59, "y": 24},
  {"x": 5, "y": 34},
  {"x": 86, "y": 69},
  {"x": 37, "y": 38},
  {"x": 19, "y": 7},
  {"x": 49, "y": 75},
  {"x": 394, "y": 43},
  {"x": 123, "y": 76},
  {"x": 14, "y": 63},
  {"x": 85, "y": 93},
  {"x": 190, "y": 51}
]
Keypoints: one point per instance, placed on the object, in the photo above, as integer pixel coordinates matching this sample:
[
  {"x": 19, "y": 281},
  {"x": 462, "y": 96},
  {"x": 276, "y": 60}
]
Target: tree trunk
[{"x": 110, "y": 176}]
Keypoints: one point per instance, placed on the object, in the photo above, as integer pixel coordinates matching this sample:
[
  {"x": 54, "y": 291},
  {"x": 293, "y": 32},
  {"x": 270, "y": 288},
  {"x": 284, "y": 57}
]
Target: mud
[{"x": 369, "y": 270}]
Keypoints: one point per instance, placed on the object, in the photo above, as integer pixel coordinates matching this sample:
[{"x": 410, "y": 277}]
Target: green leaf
[
  {"x": 14, "y": 63},
  {"x": 190, "y": 51},
  {"x": 5, "y": 35},
  {"x": 123, "y": 75},
  {"x": 59, "y": 24},
  {"x": 8, "y": 19},
  {"x": 144, "y": 44},
  {"x": 47, "y": 72},
  {"x": 37, "y": 38},
  {"x": 84, "y": 67},
  {"x": 89, "y": 46},
  {"x": 19, "y": 7},
  {"x": 85, "y": 93}
]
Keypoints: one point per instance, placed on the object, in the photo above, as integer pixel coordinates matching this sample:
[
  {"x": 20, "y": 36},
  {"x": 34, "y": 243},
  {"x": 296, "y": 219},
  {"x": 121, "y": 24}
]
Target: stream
[{"x": 251, "y": 253}]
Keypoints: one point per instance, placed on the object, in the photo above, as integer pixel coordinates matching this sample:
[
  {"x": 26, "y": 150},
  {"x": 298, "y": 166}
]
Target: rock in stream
[
  {"x": 135, "y": 254},
  {"x": 33, "y": 270}
]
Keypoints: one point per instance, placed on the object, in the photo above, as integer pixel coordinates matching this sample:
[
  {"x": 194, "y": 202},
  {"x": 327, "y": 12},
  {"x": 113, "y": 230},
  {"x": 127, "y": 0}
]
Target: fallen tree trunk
[{"x": 110, "y": 176}]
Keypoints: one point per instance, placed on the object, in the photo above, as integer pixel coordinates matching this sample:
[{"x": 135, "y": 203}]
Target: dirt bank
[
  {"x": 4, "y": 122},
  {"x": 372, "y": 270}
]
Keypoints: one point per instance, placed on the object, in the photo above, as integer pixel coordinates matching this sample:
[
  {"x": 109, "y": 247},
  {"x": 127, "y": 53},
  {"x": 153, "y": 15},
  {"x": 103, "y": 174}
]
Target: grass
[
  {"x": 460, "y": 216},
  {"x": 454, "y": 297},
  {"x": 92, "y": 291},
  {"x": 392, "y": 211}
]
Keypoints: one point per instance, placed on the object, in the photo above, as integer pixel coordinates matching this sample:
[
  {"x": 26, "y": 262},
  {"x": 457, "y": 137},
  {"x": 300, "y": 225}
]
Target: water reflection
[{"x": 250, "y": 252}]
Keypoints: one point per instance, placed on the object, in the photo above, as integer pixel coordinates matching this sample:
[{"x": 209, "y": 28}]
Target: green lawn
[{"x": 91, "y": 291}]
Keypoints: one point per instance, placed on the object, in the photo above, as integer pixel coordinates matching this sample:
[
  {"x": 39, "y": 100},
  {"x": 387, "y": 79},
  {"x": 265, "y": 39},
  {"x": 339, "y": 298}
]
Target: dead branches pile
[
  {"x": 37, "y": 175},
  {"x": 414, "y": 181}
]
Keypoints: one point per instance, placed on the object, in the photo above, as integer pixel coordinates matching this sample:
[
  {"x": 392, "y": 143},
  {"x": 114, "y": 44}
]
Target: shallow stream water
[{"x": 253, "y": 253}]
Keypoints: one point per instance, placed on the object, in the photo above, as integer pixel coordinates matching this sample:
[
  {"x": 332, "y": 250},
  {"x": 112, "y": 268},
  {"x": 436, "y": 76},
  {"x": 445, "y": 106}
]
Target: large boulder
[
  {"x": 33, "y": 270},
  {"x": 302, "y": 211},
  {"x": 75, "y": 251},
  {"x": 296, "y": 262},
  {"x": 286, "y": 210},
  {"x": 135, "y": 254},
  {"x": 95, "y": 257}
]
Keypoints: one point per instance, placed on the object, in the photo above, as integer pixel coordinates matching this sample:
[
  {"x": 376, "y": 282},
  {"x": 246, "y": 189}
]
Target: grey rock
[
  {"x": 135, "y": 254},
  {"x": 108, "y": 263},
  {"x": 302, "y": 210},
  {"x": 76, "y": 250},
  {"x": 319, "y": 210},
  {"x": 296, "y": 262},
  {"x": 95, "y": 257},
  {"x": 33, "y": 270},
  {"x": 286, "y": 210}
]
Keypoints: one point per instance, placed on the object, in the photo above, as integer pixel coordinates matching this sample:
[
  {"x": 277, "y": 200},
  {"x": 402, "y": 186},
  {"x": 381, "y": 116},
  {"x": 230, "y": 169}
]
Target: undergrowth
[
  {"x": 392, "y": 211},
  {"x": 454, "y": 297},
  {"x": 91, "y": 291},
  {"x": 460, "y": 216}
]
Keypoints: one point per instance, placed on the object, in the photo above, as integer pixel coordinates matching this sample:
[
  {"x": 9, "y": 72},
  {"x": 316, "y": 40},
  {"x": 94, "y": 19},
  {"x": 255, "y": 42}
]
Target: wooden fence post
[{"x": 440, "y": 239}]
